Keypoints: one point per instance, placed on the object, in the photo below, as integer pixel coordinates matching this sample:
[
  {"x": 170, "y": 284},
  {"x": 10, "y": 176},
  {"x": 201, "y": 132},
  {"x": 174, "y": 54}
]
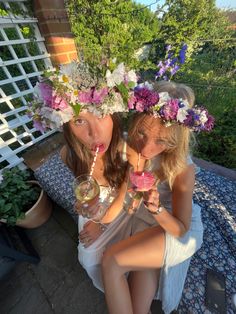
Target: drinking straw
[{"x": 94, "y": 161}]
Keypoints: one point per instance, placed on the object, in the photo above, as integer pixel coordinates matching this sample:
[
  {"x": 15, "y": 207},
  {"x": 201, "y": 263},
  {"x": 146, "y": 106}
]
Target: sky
[{"x": 219, "y": 3}]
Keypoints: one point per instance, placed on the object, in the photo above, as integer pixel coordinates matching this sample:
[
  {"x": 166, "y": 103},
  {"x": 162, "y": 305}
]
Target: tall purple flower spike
[{"x": 169, "y": 67}]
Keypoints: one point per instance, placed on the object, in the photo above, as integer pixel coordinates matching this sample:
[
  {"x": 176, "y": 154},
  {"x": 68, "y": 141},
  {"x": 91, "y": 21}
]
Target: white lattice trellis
[{"x": 22, "y": 60}]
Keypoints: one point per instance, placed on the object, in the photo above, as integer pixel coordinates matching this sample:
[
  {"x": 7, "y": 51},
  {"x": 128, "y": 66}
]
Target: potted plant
[{"x": 22, "y": 202}]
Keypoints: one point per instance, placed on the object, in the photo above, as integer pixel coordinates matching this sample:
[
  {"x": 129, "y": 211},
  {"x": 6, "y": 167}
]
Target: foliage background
[
  {"x": 106, "y": 29},
  {"x": 103, "y": 32}
]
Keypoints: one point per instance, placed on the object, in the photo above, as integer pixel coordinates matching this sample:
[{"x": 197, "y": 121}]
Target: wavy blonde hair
[{"x": 173, "y": 160}]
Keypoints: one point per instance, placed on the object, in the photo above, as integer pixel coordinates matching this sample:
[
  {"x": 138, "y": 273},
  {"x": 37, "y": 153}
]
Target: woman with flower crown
[
  {"x": 87, "y": 109},
  {"x": 167, "y": 227}
]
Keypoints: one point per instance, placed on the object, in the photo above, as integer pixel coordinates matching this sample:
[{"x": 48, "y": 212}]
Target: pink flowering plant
[{"x": 62, "y": 94}]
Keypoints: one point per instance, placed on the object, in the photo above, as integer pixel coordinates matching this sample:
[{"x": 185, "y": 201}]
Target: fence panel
[{"x": 23, "y": 58}]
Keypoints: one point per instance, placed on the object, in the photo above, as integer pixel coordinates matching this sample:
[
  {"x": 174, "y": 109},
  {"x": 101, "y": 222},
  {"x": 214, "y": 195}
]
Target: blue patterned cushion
[
  {"x": 216, "y": 196},
  {"x": 56, "y": 179}
]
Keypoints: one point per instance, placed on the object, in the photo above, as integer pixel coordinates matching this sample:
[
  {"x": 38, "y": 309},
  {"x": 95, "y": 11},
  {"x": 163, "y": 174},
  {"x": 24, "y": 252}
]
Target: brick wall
[{"x": 55, "y": 27}]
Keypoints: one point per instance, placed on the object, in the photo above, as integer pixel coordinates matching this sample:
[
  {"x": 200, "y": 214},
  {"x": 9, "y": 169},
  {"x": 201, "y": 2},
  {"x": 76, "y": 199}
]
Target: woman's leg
[
  {"x": 143, "y": 286},
  {"x": 143, "y": 251}
]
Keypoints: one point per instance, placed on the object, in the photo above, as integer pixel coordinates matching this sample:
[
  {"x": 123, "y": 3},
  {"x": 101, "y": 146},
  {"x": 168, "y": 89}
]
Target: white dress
[
  {"x": 90, "y": 257},
  {"x": 178, "y": 251}
]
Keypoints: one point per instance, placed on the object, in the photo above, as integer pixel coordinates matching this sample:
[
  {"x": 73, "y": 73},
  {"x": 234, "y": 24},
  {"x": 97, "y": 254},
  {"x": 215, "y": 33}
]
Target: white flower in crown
[
  {"x": 55, "y": 119},
  {"x": 113, "y": 103},
  {"x": 203, "y": 117},
  {"x": 164, "y": 97},
  {"x": 182, "y": 112},
  {"x": 116, "y": 77},
  {"x": 181, "y": 115},
  {"x": 66, "y": 114},
  {"x": 146, "y": 84},
  {"x": 131, "y": 76},
  {"x": 119, "y": 75},
  {"x": 68, "y": 73}
]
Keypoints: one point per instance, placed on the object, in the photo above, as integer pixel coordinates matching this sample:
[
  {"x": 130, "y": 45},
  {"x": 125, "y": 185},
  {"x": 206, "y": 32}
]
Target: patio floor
[{"x": 58, "y": 284}]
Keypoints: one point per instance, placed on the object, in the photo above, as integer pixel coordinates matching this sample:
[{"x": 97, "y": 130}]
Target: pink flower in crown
[
  {"x": 58, "y": 102},
  {"x": 93, "y": 96},
  {"x": 170, "y": 110},
  {"x": 131, "y": 102},
  {"x": 49, "y": 96},
  {"x": 210, "y": 123},
  {"x": 140, "y": 106}
]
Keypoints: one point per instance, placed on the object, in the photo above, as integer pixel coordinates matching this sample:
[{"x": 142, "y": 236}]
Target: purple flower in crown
[
  {"x": 189, "y": 120},
  {"x": 145, "y": 98},
  {"x": 209, "y": 124},
  {"x": 44, "y": 91},
  {"x": 198, "y": 119},
  {"x": 39, "y": 126}
]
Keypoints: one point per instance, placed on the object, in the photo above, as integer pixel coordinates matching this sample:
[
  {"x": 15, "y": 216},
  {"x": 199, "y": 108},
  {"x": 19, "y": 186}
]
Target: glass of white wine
[{"x": 87, "y": 193}]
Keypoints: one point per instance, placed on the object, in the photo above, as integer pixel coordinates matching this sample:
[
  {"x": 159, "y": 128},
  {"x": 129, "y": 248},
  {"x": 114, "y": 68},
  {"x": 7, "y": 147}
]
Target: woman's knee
[{"x": 110, "y": 263}]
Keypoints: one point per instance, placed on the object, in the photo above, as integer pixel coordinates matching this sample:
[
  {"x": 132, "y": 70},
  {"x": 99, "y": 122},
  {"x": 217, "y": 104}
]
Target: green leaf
[
  {"x": 76, "y": 108},
  {"x": 124, "y": 92},
  {"x": 131, "y": 84}
]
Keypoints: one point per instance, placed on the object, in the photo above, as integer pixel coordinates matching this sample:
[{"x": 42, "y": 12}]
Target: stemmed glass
[{"x": 89, "y": 204}]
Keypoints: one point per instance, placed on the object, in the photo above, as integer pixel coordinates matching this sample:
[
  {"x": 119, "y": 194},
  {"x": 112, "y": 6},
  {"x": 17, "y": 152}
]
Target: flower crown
[
  {"x": 170, "y": 110},
  {"x": 63, "y": 94}
]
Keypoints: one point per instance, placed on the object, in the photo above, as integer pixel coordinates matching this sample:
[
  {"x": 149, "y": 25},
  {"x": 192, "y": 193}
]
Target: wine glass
[{"x": 87, "y": 192}]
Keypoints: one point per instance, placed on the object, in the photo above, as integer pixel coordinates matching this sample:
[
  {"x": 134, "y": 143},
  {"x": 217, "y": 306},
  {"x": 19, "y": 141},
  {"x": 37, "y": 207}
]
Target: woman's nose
[
  {"x": 150, "y": 149},
  {"x": 95, "y": 131},
  {"x": 147, "y": 150}
]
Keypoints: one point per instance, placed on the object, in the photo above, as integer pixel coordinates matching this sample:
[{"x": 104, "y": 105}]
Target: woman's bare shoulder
[{"x": 185, "y": 180}]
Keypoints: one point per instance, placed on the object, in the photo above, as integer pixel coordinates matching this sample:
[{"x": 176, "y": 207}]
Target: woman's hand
[
  {"x": 91, "y": 231},
  {"x": 87, "y": 211},
  {"x": 151, "y": 199}
]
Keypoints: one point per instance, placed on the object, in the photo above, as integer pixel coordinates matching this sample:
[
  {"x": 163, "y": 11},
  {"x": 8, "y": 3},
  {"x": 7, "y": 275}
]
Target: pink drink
[{"x": 142, "y": 180}]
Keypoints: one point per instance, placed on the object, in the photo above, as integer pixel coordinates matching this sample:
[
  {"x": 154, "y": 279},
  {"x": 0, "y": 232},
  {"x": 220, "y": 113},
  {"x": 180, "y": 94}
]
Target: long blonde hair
[
  {"x": 174, "y": 159},
  {"x": 79, "y": 158}
]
